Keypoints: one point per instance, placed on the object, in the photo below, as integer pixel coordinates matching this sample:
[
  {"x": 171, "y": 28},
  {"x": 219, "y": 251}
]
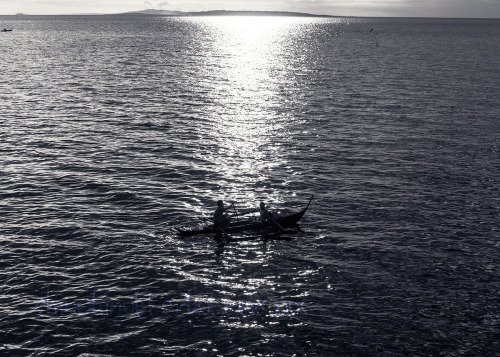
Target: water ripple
[{"x": 115, "y": 130}]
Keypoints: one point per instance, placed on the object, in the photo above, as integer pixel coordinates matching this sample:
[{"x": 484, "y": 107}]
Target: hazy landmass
[
  {"x": 220, "y": 13},
  {"x": 153, "y": 12}
]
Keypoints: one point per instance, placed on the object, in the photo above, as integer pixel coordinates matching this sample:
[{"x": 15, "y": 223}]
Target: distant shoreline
[
  {"x": 151, "y": 12},
  {"x": 214, "y": 13},
  {"x": 223, "y": 13}
]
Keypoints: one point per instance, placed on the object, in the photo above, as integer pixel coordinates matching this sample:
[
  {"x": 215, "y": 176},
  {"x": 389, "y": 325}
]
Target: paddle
[
  {"x": 276, "y": 223},
  {"x": 235, "y": 212},
  {"x": 224, "y": 233},
  {"x": 228, "y": 237}
]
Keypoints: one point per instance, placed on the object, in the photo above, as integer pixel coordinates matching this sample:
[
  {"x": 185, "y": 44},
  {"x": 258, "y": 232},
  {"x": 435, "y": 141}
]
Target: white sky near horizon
[{"x": 405, "y": 8}]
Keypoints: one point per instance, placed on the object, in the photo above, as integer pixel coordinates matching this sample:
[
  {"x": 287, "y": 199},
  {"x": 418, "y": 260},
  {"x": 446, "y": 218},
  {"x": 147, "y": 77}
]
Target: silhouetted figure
[
  {"x": 219, "y": 218},
  {"x": 264, "y": 213}
]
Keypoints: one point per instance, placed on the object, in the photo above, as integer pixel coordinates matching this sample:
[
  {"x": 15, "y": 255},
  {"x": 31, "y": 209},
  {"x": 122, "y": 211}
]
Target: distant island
[
  {"x": 154, "y": 12},
  {"x": 220, "y": 13}
]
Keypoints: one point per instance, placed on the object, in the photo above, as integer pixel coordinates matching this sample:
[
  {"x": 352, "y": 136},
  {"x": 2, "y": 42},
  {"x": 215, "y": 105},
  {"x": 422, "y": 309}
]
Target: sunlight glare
[{"x": 252, "y": 62}]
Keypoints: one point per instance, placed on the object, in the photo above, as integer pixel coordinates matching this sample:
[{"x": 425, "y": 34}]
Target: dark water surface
[{"x": 116, "y": 129}]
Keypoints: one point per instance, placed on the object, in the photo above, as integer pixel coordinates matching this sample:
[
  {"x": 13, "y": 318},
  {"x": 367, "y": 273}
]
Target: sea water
[{"x": 116, "y": 129}]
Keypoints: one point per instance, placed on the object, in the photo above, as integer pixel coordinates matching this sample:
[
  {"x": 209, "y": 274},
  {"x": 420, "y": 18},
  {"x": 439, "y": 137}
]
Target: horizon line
[
  {"x": 173, "y": 13},
  {"x": 278, "y": 13}
]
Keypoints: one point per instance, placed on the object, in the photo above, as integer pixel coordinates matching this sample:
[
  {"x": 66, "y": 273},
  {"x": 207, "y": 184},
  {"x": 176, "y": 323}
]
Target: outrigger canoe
[{"x": 287, "y": 221}]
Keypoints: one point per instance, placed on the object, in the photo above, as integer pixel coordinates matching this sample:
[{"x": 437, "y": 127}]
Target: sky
[{"x": 406, "y": 8}]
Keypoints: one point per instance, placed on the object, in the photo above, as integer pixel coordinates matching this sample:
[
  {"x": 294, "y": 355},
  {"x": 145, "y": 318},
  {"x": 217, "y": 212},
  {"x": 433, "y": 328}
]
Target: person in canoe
[
  {"x": 219, "y": 218},
  {"x": 264, "y": 214},
  {"x": 268, "y": 217}
]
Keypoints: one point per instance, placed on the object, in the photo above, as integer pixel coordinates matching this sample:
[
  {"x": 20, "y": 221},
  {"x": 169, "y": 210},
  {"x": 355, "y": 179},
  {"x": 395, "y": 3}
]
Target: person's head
[
  {"x": 220, "y": 203},
  {"x": 262, "y": 205}
]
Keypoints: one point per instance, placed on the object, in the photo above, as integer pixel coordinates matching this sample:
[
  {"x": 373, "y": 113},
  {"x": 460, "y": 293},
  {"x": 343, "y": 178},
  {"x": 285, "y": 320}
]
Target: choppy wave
[{"x": 117, "y": 129}]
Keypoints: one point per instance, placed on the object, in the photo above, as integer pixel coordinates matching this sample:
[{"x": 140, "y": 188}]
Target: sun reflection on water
[{"x": 248, "y": 61}]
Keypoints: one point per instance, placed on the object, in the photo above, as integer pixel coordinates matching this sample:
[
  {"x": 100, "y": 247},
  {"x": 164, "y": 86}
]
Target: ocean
[{"x": 117, "y": 129}]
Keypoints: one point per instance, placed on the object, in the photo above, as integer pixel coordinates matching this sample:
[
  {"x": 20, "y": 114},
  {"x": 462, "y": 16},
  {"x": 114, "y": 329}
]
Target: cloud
[{"x": 164, "y": 4}]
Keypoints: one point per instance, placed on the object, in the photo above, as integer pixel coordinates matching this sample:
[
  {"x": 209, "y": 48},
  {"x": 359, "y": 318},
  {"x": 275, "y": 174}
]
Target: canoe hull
[{"x": 288, "y": 221}]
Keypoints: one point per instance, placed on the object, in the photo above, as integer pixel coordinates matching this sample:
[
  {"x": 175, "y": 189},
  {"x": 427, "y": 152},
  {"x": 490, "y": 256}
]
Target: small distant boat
[
  {"x": 287, "y": 221},
  {"x": 6, "y": 30}
]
